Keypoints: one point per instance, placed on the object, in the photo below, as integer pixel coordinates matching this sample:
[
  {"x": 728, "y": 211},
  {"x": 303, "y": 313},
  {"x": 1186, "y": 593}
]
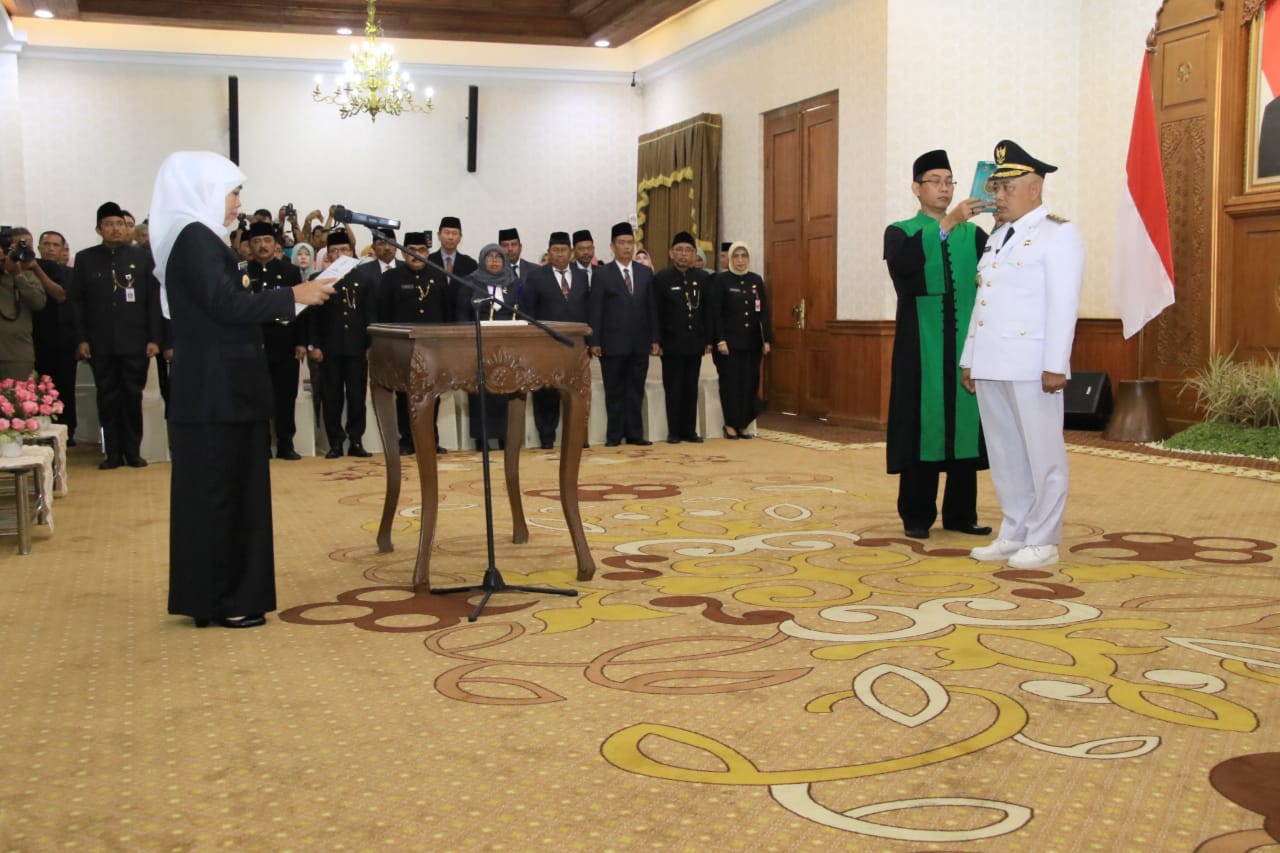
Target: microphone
[{"x": 341, "y": 214}]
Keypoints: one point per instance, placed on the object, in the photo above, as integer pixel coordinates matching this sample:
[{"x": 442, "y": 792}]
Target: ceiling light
[
  {"x": 42, "y": 13},
  {"x": 372, "y": 81},
  {"x": 602, "y": 43},
  {"x": 344, "y": 31}
]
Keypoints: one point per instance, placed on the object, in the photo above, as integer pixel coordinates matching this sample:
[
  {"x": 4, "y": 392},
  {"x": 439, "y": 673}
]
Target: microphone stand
[{"x": 493, "y": 581}]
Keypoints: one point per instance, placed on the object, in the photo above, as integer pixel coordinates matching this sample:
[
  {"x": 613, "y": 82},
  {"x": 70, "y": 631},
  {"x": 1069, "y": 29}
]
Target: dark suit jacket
[
  {"x": 407, "y": 296},
  {"x": 219, "y": 369},
  {"x": 340, "y": 326},
  {"x": 681, "y": 302},
  {"x": 279, "y": 338},
  {"x": 543, "y": 299},
  {"x": 732, "y": 314},
  {"x": 104, "y": 317},
  {"x": 622, "y": 323}
]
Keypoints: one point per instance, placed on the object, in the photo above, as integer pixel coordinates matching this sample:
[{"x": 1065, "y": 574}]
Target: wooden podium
[{"x": 426, "y": 361}]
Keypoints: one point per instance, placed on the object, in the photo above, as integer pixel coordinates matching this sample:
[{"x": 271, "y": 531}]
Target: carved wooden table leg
[
  {"x": 576, "y": 408},
  {"x": 511, "y": 462},
  {"x": 384, "y": 407},
  {"x": 422, "y": 417}
]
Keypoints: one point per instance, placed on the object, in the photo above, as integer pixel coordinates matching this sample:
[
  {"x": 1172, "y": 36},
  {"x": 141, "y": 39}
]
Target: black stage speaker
[
  {"x": 1088, "y": 401},
  {"x": 473, "y": 119},
  {"x": 233, "y": 119}
]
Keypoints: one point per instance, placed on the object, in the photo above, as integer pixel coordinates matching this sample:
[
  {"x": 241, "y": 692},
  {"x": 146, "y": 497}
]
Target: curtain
[{"x": 678, "y": 186}]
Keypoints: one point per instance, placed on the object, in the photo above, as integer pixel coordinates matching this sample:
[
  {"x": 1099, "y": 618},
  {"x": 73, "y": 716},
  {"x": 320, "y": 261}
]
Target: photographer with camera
[
  {"x": 21, "y": 295},
  {"x": 54, "y": 327}
]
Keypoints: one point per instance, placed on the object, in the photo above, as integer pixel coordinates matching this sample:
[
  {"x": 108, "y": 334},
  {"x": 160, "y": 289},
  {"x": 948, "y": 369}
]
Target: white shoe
[
  {"x": 997, "y": 550},
  {"x": 1034, "y": 557}
]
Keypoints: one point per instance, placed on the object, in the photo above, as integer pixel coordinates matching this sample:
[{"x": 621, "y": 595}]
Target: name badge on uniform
[
  {"x": 130, "y": 295},
  {"x": 757, "y": 304}
]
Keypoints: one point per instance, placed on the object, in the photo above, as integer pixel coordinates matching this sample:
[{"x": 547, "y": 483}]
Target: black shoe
[
  {"x": 252, "y": 621},
  {"x": 334, "y": 453},
  {"x": 612, "y": 443},
  {"x": 201, "y": 623},
  {"x": 548, "y": 445},
  {"x": 639, "y": 442},
  {"x": 109, "y": 463},
  {"x": 916, "y": 532},
  {"x": 586, "y": 445},
  {"x": 71, "y": 442},
  {"x": 673, "y": 439},
  {"x": 357, "y": 449},
  {"x": 971, "y": 529},
  {"x": 693, "y": 439},
  {"x": 732, "y": 436},
  {"x": 440, "y": 448},
  {"x": 746, "y": 435},
  {"x": 288, "y": 453},
  {"x": 406, "y": 448},
  {"x": 135, "y": 462}
]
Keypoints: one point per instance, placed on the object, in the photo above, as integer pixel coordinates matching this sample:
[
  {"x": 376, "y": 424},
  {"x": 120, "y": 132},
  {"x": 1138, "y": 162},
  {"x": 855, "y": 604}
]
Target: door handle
[{"x": 798, "y": 313}]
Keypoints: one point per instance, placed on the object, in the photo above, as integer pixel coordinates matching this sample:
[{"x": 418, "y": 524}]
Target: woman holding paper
[{"x": 221, "y": 558}]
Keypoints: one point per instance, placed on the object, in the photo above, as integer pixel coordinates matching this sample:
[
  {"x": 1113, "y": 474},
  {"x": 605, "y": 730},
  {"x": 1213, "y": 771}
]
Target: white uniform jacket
[{"x": 1024, "y": 317}]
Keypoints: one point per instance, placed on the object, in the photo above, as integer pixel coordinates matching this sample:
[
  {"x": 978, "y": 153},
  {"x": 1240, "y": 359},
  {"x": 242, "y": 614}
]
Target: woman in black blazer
[
  {"x": 738, "y": 315},
  {"x": 221, "y": 558}
]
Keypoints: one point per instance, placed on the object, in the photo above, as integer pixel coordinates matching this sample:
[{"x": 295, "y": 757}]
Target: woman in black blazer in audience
[
  {"x": 221, "y": 557},
  {"x": 738, "y": 317}
]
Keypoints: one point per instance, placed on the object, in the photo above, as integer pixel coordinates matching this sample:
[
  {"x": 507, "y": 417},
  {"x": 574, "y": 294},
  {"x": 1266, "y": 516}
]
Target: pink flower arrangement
[{"x": 22, "y": 401}]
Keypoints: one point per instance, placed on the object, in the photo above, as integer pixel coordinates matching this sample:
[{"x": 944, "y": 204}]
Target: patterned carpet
[{"x": 762, "y": 662}]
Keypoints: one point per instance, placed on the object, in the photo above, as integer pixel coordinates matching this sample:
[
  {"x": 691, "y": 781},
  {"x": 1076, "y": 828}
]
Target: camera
[
  {"x": 18, "y": 253},
  {"x": 290, "y": 210}
]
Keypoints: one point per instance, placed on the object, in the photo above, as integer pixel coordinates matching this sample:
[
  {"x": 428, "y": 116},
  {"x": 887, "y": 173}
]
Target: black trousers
[
  {"x": 918, "y": 495},
  {"x": 624, "y": 377},
  {"x": 495, "y": 419},
  {"x": 403, "y": 424},
  {"x": 221, "y": 557},
  {"x": 120, "y": 380},
  {"x": 680, "y": 384},
  {"x": 59, "y": 364},
  {"x": 284, "y": 394},
  {"x": 546, "y": 413},
  {"x": 739, "y": 382},
  {"x": 345, "y": 378}
]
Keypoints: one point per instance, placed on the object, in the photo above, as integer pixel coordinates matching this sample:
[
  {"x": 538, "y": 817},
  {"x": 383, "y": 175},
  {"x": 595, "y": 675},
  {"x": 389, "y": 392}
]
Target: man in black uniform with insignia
[
  {"x": 339, "y": 341},
  {"x": 555, "y": 292},
  {"x": 116, "y": 300},
  {"x": 412, "y": 293},
  {"x": 682, "y": 337},
  {"x": 285, "y": 342}
]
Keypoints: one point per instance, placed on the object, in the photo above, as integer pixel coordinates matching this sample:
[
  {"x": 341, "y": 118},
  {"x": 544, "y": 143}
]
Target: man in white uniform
[{"x": 1017, "y": 358}]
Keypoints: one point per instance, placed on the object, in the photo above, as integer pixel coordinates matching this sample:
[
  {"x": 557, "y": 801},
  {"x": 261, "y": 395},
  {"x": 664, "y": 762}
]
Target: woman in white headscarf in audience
[
  {"x": 221, "y": 557},
  {"x": 738, "y": 319}
]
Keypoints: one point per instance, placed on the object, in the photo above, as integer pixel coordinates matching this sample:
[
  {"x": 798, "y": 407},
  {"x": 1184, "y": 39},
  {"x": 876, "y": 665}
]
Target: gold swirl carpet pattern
[{"x": 762, "y": 662}]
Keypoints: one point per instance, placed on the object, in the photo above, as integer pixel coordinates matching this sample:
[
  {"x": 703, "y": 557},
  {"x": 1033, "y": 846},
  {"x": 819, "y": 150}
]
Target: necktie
[
  {"x": 1007, "y": 236},
  {"x": 626, "y": 276},
  {"x": 564, "y": 284}
]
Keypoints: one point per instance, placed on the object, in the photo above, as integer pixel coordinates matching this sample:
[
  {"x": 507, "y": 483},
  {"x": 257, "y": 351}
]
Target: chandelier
[{"x": 373, "y": 82}]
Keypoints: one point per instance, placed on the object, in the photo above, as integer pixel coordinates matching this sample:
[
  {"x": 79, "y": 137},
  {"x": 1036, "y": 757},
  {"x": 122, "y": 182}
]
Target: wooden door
[{"x": 801, "y": 144}]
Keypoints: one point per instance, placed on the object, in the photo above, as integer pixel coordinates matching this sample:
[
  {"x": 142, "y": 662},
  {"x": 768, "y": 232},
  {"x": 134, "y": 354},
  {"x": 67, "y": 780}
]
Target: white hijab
[{"x": 191, "y": 186}]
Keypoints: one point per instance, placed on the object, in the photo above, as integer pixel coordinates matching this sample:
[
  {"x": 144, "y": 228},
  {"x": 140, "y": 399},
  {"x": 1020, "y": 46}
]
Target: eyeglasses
[{"x": 939, "y": 182}]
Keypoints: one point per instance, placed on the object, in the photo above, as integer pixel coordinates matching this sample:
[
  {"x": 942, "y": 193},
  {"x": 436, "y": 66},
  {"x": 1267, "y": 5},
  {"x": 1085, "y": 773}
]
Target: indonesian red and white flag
[{"x": 1142, "y": 275}]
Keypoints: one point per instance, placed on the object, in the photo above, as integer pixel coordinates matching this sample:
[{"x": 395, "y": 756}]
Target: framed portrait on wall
[{"x": 1262, "y": 135}]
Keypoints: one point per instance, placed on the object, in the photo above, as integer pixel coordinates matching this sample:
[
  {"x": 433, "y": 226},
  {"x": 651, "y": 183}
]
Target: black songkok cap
[
  {"x": 508, "y": 234},
  {"x": 450, "y": 222},
  {"x": 338, "y": 237},
  {"x": 261, "y": 229},
  {"x": 561, "y": 238},
  {"x": 109, "y": 210},
  {"x": 415, "y": 238},
  {"x": 262, "y": 211},
  {"x": 622, "y": 229},
  {"x": 928, "y": 161},
  {"x": 1013, "y": 161},
  {"x": 582, "y": 236},
  {"x": 684, "y": 237},
  {"x": 383, "y": 234},
  {"x": 724, "y": 247}
]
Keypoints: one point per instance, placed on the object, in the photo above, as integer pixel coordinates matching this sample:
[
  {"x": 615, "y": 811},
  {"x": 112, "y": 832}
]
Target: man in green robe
[{"x": 933, "y": 421}]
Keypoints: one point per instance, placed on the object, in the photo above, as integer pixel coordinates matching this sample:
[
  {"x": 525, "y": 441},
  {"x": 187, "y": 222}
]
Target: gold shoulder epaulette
[{"x": 1053, "y": 217}]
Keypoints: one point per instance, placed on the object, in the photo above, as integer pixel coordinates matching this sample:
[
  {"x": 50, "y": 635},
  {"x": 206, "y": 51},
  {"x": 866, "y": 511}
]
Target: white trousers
[{"x": 1028, "y": 455}]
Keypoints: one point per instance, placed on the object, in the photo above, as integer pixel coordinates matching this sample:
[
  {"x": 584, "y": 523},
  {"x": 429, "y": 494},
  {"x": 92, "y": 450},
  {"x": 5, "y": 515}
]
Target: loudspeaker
[
  {"x": 473, "y": 121},
  {"x": 1087, "y": 401},
  {"x": 233, "y": 119}
]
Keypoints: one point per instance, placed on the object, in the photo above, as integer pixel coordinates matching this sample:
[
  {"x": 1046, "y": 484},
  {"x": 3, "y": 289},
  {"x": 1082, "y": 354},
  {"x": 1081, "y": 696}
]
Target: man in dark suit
[
  {"x": 116, "y": 300},
  {"x": 54, "y": 328},
  {"x": 584, "y": 254},
  {"x": 453, "y": 261},
  {"x": 284, "y": 340},
  {"x": 624, "y": 333},
  {"x": 339, "y": 341},
  {"x": 509, "y": 240},
  {"x": 555, "y": 293},
  {"x": 682, "y": 336}
]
